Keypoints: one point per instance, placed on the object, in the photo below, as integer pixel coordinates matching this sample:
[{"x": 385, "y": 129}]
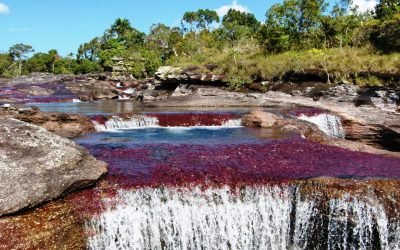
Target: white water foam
[
  {"x": 327, "y": 123},
  {"x": 116, "y": 123},
  {"x": 252, "y": 218}
]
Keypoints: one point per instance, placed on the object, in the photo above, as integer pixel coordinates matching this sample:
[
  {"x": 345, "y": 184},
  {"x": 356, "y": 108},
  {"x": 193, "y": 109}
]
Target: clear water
[
  {"x": 182, "y": 135},
  {"x": 118, "y": 107},
  {"x": 234, "y": 188}
]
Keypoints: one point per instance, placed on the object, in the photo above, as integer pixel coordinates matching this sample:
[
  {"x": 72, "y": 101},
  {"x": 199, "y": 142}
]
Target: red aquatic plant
[
  {"x": 191, "y": 119},
  {"x": 242, "y": 164}
]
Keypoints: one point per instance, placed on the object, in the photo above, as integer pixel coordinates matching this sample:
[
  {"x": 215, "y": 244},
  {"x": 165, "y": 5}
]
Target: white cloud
[
  {"x": 234, "y": 5},
  {"x": 4, "y": 9},
  {"x": 365, "y": 5}
]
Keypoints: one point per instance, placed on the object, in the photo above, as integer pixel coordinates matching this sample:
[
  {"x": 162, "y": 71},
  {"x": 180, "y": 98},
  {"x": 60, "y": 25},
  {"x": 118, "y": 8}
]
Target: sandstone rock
[
  {"x": 165, "y": 72},
  {"x": 65, "y": 125},
  {"x": 51, "y": 226},
  {"x": 261, "y": 119},
  {"x": 182, "y": 90},
  {"x": 104, "y": 94},
  {"x": 37, "y": 166},
  {"x": 37, "y": 91},
  {"x": 170, "y": 77},
  {"x": 307, "y": 130}
]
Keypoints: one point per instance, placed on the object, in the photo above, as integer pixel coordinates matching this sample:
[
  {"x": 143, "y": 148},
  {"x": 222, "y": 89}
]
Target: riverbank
[{"x": 370, "y": 130}]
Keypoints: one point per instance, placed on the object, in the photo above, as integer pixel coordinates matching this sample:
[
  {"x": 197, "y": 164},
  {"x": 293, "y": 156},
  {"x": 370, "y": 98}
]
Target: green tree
[
  {"x": 300, "y": 20},
  {"x": 385, "y": 33},
  {"x": 189, "y": 18},
  {"x": 120, "y": 28},
  {"x": 89, "y": 50},
  {"x": 235, "y": 18},
  {"x": 164, "y": 39},
  {"x": 39, "y": 62},
  {"x": 205, "y": 18},
  {"x": 54, "y": 58},
  {"x": 113, "y": 48},
  {"x": 340, "y": 26},
  {"x": 19, "y": 53},
  {"x": 123, "y": 31},
  {"x": 5, "y": 63},
  {"x": 387, "y": 8}
]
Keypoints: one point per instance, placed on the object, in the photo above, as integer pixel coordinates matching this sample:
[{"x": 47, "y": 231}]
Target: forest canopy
[{"x": 292, "y": 30}]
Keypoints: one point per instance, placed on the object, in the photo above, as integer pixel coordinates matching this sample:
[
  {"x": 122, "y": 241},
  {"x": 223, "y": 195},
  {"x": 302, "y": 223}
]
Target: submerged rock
[{"x": 37, "y": 166}]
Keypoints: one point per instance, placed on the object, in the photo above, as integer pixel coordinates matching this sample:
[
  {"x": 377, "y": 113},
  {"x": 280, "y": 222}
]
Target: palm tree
[{"x": 120, "y": 27}]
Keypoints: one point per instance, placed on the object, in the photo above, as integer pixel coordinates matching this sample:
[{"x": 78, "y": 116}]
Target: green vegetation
[{"x": 297, "y": 35}]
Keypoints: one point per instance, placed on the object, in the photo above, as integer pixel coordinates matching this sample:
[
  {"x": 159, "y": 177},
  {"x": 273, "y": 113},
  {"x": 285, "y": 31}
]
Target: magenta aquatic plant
[
  {"x": 191, "y": 119},
  {"x": 243, "y": 164},
  {"x": 307, "y": 112}
]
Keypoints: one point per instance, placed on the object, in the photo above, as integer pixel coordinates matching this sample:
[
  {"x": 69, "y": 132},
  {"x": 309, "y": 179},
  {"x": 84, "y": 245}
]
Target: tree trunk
[{"x": 20, "y": 67}]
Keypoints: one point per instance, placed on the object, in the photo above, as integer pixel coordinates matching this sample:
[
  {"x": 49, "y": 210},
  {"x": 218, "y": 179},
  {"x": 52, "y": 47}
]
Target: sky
[{"x": 65, "y": 24}]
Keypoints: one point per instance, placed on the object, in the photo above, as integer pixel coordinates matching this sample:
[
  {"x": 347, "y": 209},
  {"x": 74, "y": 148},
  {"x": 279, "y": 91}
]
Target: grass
[{"x": 245, "y": 66}]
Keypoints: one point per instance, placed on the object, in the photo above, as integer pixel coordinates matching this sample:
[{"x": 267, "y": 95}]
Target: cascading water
[
  {"x": 229, "y": 188},
  {"x": 137, "y": 121},
  {"x": 327, "y": 123},
  {"x": 166, "y": 120},
  {"x": 264, "y": 217}
]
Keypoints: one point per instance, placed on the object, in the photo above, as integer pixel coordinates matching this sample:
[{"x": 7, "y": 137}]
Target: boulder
[
  {"x": 261, "y": 119},
  {"x": 308, "y": 131},
  {"x": 65, "y": 125},
  {"x": 169, "y": 78},
  {"x": 166, "y": 72},
  {"x": 183, "y": 90},
  {"x": 104, "y": 94},
  {"x": 37, "y": 166}
]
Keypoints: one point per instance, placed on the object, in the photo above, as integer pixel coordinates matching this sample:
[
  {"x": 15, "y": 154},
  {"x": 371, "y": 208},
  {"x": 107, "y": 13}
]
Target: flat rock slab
[{"x": 37, "y": 166}]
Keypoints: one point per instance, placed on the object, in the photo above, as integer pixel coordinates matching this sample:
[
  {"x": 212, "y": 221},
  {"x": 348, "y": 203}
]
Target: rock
[
  {"x": 37, "y": 91},
  {"x": 182, "y": 90},
  {"x": 65, "y": 125},
  {"x": 37, "y": 166},
  {"x": 53, "y": 225},
  {"x": 166, "y": 72},
  {"x": 308, "y": 131},
  {"x": 104, "y": 94},
  {"x": 261, "y": 119},
  {"x": 85, "y": 98},
  {"x": 306, "y": 75},
  {"x": 170, "y": 77}
]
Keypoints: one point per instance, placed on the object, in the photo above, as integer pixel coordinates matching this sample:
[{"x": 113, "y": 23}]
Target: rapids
[
  {"x": 200, "y": 181},
  {"x": 266, "y": 217}
]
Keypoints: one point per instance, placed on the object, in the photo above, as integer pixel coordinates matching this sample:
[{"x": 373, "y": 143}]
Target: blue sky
[{"x": 65, "y": 24}]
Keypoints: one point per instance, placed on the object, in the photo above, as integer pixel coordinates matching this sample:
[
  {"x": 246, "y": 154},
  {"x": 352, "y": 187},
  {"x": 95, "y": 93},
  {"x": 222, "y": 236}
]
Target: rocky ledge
[
  {"x": 37, "y": 166},
  {"x": 65, "y": 125}
]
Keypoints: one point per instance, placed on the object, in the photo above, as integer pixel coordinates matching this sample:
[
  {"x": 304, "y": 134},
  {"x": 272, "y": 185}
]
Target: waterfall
[
  {"x": 144, "y": 121},
  {"x": 232, "y": 123},
  {"x": 137, "y": 121},
  {"x": 269, "y": 217},
  {"x": 327, "y": 123}
]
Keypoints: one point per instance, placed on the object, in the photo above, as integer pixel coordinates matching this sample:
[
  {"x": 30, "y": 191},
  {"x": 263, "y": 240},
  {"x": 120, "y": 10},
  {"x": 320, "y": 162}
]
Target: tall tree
[
  {"x": 190, "y": 18},
  {"x": 235, "y": 17},
  {"x": 120, "y": 27},
  {"x": 54, "y": 57},
  {"x": 300, "y": 20},
  {"x": 205, "y": 18},
  {"x": 19, "y": 53},
  {"x": 386, "y": 33},
  {"x": 387, "y": 8},
  {"x": 89, "y": 50}
]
